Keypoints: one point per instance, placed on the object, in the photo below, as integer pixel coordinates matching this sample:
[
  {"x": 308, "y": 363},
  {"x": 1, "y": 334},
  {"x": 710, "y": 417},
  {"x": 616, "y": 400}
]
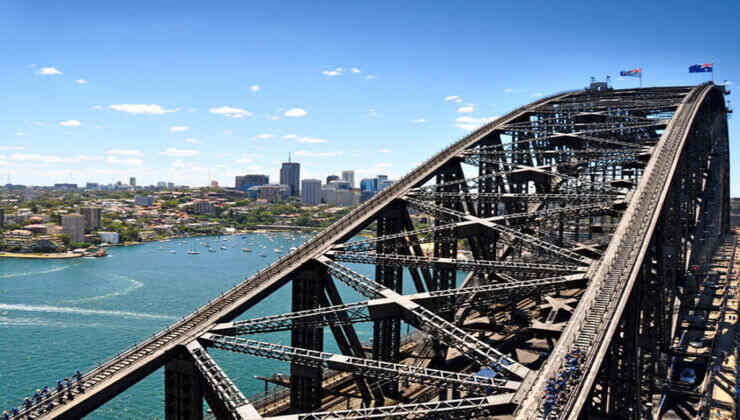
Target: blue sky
[{"x": 177, "y": 90}]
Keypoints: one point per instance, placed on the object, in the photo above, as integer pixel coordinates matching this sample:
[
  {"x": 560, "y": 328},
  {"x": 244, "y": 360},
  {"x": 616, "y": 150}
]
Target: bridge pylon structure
[{"x": 548, "y": 252}]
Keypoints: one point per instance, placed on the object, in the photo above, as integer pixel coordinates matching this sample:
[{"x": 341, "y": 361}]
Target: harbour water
[{"x": 57, "y": 316}]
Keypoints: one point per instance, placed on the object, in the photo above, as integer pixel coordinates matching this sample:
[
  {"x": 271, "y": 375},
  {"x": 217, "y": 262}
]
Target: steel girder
[{"x": 544, "y": 160}]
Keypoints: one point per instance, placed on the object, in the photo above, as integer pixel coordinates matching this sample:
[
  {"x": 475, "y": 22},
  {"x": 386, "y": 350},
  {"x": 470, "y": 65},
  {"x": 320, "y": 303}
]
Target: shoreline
[
  {"x": 41, "y": 256},
  {"x": 70, "y": 254}
]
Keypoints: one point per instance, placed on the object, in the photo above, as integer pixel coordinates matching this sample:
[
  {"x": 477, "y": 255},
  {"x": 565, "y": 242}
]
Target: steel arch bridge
[{"x": 582, "y": 213}]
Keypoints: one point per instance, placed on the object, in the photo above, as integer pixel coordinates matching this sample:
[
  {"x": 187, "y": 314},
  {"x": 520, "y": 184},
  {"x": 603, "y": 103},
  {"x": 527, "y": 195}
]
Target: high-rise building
[
  {"x": 143, "y": 200},
  {"x": 369, "y": 184},
  {"x": 381, "y": 178},
  {"x": 349, "y": 176},
  {"x": 340, "y": 185},
  {"x": 273, "y": 193},
  {"x": 290, "y": 175},
  {"x": 93, "y": 217},
  {"x": 331, "y": 178},
  {"x": 311, "y": 191},
  {"x": 74, "y": 226},
  {"x": 170, "y": 185},
  {"x": 92, "y": 186},
  {"x": 245, "y": 182},
  {"x": 132, "y": 182},
  {"x": 161, "y": 184}
]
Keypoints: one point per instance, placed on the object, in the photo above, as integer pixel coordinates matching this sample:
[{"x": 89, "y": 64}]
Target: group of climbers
[{"x": 63, "y": 388}]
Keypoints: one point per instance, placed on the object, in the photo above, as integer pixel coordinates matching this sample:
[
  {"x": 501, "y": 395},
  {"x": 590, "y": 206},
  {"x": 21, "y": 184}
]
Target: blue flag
[
  {"x": 633, "y": 72},
  {"x": 701, "y": 68}
]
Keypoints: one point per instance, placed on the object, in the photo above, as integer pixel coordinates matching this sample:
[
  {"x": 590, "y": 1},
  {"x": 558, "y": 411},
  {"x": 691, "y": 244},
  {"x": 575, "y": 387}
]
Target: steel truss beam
[
  {"x": 464, "y": 408},
  {"x": 428, "y": 321},
  {"x": 231, "y": 401},
  {"x": 525, "y": 238},
  {"x": 458, "y": 264},
  {"x": 375, "y": 309},
  {"x": 360, "y": 366}
]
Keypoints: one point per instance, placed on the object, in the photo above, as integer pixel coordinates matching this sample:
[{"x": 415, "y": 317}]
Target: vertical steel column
[
  {"x": 305, "y": 382},
  {"x": 387, "y": 332},
  {"x": 183, "y": 394}
]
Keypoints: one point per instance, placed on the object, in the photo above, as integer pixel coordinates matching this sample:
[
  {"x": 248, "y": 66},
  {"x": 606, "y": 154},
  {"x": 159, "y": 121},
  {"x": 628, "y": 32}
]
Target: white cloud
[
  {"x": 20, "y": 133},
  {"x": 179, "y": 128},
  {"x": 290, "y": 136},
  {"x": 355, "y": 70},
  {"x": 264, "y": 136},
  {"x": 336, "y": 72},
  {"x": 372, "y": 112},
  {"x": 451, "y": 98},
  {"x": 39, "y": 158},
  {"x": 385, "y": 150},
  {"x": 458, "y": 100},
  {"x": 192, "y": 141},
  {"x": 508, "y": 90},
  {"x": 470, "y": 123},
  {"x": 5, "y": 148},
  {"x": 124, "y": 152},
  {"x": 273, "y": 117},
  {"x": 311, "y": 140},
  {"x": 150, "y": 109},
  {"x": 114, "y": 160},
  {"x": 248, "y": 158},
  {"x": 33, "y": 157},
  {"x": 38, "y": 123},
  {"x": 296, "y": 112},
  {"x": 308, "y": 153},
  {"x": 96, "y": 107},
  {"x": 465, "y": 109},
  {"x": 175, "y": 152},
  {"x": 80, "y": 81},
  {"x": 370, "y": 77},
  {"x": 231, "y": 112},
  {"x": 178, "y": 164},
  {"x": 228, "y": 132},
  {"x": 70, "y": 123},
  {"x": 536, "y": 95},
  {"x": 49, "y": 71},
  {"x": 418, "y": 121},
  {"x": 255, "y": 88}
]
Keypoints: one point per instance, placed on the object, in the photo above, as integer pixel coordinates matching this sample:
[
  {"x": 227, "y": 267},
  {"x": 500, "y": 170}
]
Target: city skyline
[{"x": 185, "y": 112}]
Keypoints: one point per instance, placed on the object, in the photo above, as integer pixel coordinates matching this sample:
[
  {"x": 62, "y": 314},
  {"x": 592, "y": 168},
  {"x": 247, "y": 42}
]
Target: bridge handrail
[
  {"x": 319, "y": 240},
  {"x": 636, "y": 218}
]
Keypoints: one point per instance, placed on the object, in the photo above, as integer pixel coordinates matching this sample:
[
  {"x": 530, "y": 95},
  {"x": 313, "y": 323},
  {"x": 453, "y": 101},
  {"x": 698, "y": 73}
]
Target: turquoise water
[{"x": 57, "y": 316}]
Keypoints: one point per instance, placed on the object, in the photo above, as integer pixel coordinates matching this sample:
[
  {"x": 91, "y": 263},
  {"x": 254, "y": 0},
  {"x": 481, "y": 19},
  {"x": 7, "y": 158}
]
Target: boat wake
[
  {"x": 135, "y": 284},
  {"x": 34, "y": 273},
  {"x": 80, "y": 311}
]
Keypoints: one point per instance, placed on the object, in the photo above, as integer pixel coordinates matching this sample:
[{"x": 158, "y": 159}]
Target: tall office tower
[
  {"x": 311, "y": 191},
  {"x": 381, "y": 178},
  {"x": 349, "y": 176},
  {"x": 245, "y": 182},
  {"x": 74, "y": 226},
  {"x": 93, "y": 217},
  {"x": 290, "y": 175},
  {"x": 132, "y": 182},
  {"x": 331, "y": 178}
]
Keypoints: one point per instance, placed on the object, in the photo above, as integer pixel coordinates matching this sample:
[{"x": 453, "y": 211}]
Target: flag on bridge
[
  {"x": 632, "y": 73},
  {"x": 701, "y": 68}
]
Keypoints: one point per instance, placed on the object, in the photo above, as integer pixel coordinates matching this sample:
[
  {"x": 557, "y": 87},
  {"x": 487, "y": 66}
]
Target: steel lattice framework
[{"x": 581, "y": 213}]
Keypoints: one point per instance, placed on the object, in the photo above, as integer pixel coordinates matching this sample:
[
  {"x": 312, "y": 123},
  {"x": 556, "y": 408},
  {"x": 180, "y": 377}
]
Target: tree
[{"x": 65, "y": 238}]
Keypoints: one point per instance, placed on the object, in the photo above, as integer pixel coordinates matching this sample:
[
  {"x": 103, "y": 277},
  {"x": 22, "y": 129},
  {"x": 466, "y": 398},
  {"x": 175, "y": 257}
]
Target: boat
[
  {"x": 193, "y": 252},
  {"x": 292, "y": 248},
  {"x": 211, "y": 250},
  {"x": 246, "y": 250},
  {"x": 263, "y": 255},
  {"x": 223, "y": 247},
  {"x": 173, "y": 252}
]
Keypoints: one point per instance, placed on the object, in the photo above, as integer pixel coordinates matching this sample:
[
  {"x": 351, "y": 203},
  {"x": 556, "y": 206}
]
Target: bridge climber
[{"x": 580, "y": 211}]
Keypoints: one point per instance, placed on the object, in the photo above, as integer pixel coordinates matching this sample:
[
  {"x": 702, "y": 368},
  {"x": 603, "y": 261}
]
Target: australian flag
[
  {"x": 633, "y": 72},
  {"x": 701, "y": 68}
]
